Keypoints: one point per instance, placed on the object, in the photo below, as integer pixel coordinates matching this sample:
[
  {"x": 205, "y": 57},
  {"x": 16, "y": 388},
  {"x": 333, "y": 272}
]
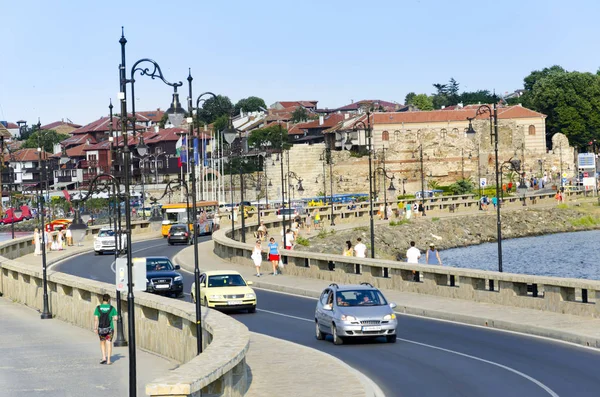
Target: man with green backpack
[{"x": 105, "y": 317}]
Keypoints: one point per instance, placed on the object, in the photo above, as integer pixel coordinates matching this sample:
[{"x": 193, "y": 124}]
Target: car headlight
[
  {"x": 348, "y": 318},
  {"x": 389, "y": 317},
  {"x": 216, "y": 296},
  {"x": 250, "y": 296},
  {"x": 178, "y": 278}
]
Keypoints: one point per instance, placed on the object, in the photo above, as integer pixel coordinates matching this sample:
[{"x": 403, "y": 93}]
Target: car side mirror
[
  {"x": 393, "y": 305},
  {"x": 249, "y": 282},
  {"x": 202, "y": 285},
  {"x": 327, "y": 307},
  {"x": 177, "y": 267}
]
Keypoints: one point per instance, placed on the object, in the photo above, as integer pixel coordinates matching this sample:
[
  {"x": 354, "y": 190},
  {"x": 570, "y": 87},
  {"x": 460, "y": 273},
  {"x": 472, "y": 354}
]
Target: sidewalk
[
  {"x": 576, "y": 329},
  {"x": 52, "y": 358},
  {"x": 55, "y": 358}
]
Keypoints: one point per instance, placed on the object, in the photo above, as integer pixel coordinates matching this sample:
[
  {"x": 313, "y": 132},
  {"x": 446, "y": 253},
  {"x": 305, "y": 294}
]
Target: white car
[{"x": 105, "y": 241}]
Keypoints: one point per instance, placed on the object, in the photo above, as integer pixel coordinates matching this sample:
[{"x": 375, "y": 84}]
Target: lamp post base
[
  {"x": 46, "y": 316},
  {"x": 119, "y": 343}
]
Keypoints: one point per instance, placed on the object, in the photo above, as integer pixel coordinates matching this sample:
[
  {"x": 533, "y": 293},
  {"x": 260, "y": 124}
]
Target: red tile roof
[
  {"x": 166, "y": 134},
  {"x": 509, "y": 112},
  {"x": 328, "y": 121},
  {"x": 26, "y": 155},
  {"x": 11, "y": 125},
  {"x": 388, "y": 106},
  {"x": 75, "y": 151},
  {"x": 283, "y": 114},
  {"x": 100, "y": 125},
  {"x": 295, "y": 104},
  {"x": 78, "y": 140},
  {"x": 152, "y": 115},
  {"x": 59, "y": 123}
]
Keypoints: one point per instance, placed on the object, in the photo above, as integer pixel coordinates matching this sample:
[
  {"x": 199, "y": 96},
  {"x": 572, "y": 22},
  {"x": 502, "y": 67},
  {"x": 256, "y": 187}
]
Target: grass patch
[
  {"x": 435, "y": 219},
  {"x": 361, "y": 229},
  {"x": 562, "y": 206},
  {"x": 585, "y": 221},
  {"x": 400, "y": 222},
  {"x": 302, "y": 241}
]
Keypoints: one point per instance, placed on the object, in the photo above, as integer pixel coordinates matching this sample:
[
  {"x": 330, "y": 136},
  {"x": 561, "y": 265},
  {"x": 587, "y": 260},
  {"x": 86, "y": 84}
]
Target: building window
[
  {"x": 74, "y": 173},
  {"x": 385, "y": 136},
  {"x": 532, "y": 130},
  {"x": 160, "y": 164},
  {"x": 443, "y": 133}
]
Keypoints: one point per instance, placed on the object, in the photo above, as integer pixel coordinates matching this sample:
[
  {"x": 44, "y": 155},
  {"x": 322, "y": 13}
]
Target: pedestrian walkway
[
  {"x": 577, "y": 329},
  {"x": 52, "y": 358}
]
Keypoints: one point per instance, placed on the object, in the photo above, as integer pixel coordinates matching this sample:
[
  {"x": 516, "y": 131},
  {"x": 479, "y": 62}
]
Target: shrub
[
  {"x": 435, "y": 219},
  {"x": 399, "y": 222},
  {"x": 585, "y": 221},
  {"x": 361, "y": 229},
  {"x": 302, "y": 241}
]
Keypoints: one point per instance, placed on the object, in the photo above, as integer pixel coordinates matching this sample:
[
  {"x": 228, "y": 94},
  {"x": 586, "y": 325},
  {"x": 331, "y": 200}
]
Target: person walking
[
  {"x": 408, "y": 210},
  {"x": 348, "y": 251},
  {"x": 416, "y": 210},
  {"x": 360, "y": 250},
  {"x": 274, "y": 254},
  {"x": 317, "y": 219},
  {"x": 432, "y": 257},
  {"x": 257, "y": 257},
  {"x": 289, "y": 239},
  {"x": 413, "y": 254},
  {"x": 48, "y": 241},
  {"x": 105, "y": 317},
  {"x": 69, "y": 237},
  {"x": 37, "y": 237},
  {"x": 308, "y": 222}
]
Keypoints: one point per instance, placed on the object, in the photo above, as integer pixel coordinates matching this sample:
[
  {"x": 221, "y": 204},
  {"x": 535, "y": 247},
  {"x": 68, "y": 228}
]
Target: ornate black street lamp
[
  {"x": 326, "y": 159},
  {"x": 493, "y": 115},
  {"x": 176, "y": 114},
  {"x": 366, "y": 127},
  {"x": 230, "y": 135},
  {"x": 420, "y": 149},
  {"x": 283, "y": 222},
  {"x": 391, "y": 189}
]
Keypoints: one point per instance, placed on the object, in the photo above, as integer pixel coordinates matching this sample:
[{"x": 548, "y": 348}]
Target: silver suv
[{"x": 350, "y": 311}]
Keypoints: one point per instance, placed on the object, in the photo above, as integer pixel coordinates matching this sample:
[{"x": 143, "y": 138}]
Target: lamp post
[
  {"x": 45, "y": 311},
  {"x": 326, "y": 158},
  {"x": 175, "y": 114},
  {"x": 420, "y": 149},
  {"x": 493, "y": 116},
  {"x": 282, "y": 183},
  {"x": 390, "y": 189},
  {"x": 366, "y": 127},
  {"x": 230, "y": 135}
]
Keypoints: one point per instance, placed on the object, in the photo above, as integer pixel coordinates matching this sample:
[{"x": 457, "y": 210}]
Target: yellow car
[{"x": 225, "y": 290}]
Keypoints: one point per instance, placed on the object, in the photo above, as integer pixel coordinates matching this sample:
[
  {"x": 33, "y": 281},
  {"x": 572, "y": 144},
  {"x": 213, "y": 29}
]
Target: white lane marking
[
  {"x": 492, "y": 329},
  {"x": 519, "y": 373},
  {"x": 514, "y": 371},
  {"x": 285, "y": 315}
]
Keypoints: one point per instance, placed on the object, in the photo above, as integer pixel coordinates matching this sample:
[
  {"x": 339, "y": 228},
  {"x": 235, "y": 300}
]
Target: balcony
[{"x": 61, "y": 179}]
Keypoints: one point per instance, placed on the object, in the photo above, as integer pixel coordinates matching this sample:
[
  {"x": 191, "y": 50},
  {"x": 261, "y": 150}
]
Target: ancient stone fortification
[{"x": 391, "y": 242}]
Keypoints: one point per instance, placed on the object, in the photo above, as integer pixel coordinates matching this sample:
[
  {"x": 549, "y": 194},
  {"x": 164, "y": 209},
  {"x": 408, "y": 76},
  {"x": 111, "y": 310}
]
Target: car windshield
[
  {"x": 363, "y": 297},
  {"x": 106, "y": 233},
  {"x": 158, "y": 264},
  {"x": 226, "y": 280}
]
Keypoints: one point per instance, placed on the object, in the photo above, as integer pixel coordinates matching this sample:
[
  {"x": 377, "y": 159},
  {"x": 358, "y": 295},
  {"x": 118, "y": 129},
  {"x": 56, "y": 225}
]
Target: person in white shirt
[
  {"x": 360, "y": 250},
  {"x": 413, "y": 254}
]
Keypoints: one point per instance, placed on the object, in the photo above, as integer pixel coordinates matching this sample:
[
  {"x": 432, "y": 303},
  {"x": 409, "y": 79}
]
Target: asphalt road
[{"x": 430, "y": 358}]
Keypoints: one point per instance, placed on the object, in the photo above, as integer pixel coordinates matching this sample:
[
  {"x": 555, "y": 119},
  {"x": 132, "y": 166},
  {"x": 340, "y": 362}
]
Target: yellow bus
[{"x": 177, "y": 213}]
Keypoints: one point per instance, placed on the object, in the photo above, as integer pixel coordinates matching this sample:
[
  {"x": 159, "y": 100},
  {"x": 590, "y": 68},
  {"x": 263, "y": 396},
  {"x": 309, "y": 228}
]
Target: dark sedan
[
  {"x": 162, "y": 278},
  {"x": 179, "y": 234}
]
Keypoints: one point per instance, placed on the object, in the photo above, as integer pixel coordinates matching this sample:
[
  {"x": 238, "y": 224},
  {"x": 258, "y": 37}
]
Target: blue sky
[{"x": 60, "y": 58}]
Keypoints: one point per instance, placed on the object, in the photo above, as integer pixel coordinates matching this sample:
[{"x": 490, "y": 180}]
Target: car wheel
[
  {"x": 170, "y": 243},
  {"x": 96, "y": 253},
  {"x": 390, "y": 338},
  {"x": 192, "y": 298},
  {"x": 252, "y": 309},
  {"x": 318, "y": 332},
  {"x": 205, "y": 302},
  {"x": 179, "y": 295},
  {"x": 337, "y": 340}
]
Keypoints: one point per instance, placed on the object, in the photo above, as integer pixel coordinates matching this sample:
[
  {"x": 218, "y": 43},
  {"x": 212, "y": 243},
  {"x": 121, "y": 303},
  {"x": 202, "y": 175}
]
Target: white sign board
[
  {"x": 586, "y": 160},
  {"x": 589, "y": 181},
  {"x": 483, "y": 182},
  {"x": 138, "y": 270}
]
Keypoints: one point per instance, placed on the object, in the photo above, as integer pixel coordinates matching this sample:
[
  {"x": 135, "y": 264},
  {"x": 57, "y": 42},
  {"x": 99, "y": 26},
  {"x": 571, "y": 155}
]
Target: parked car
[
  {"x": 179, "y": 233},
  {"x": 105, "y": 241},
  {"x": 351, "y": 311},
  {"x": 290, "y": 213},
  {"x": 225, "y": 290},
  {"x": 162, "y": 277}
]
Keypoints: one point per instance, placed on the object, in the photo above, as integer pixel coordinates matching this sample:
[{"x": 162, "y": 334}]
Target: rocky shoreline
[{"x": 391, "y": 242}]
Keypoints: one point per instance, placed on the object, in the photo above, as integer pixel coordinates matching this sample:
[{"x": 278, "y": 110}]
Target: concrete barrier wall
[
  {"x": 219, "y": 371},
  {"x": 560, "y": 295}
]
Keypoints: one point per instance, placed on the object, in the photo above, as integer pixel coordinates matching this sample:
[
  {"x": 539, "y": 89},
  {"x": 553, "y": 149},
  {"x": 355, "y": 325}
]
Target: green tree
[
  {"x": 221, "y": 123},
  {"x": 163, "y": 120},
  {"x": 571, "y": 101},
  {"x": 250, "y": 104},
  {"x": 214, "y": 108},
  {"x": 408, "y": 99},
  {"x": 462, "y": 186},
  {"x": 299, "y": 114},
  {"x": 452, "y": 92},
  {"x": 44, "y": 138},
  {"x": 422, "y": 102},
  {"x": 270, "y": 136},
  {"x": 475, "y": 97}
]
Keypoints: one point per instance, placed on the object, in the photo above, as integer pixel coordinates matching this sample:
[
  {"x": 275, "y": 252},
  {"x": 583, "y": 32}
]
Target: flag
[
  {"x": 67, "y": 195},
  {"x": 196, "y": 151},
  {"x": 204, "y": 156},
  {"x": 178, "y": 151},
  {"x": 183, "y": 153}
]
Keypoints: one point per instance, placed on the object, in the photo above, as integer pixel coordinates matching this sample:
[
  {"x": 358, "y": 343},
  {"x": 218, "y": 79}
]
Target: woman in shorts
[{"x": 274, "y": 254}]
